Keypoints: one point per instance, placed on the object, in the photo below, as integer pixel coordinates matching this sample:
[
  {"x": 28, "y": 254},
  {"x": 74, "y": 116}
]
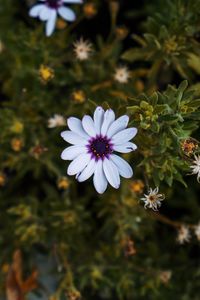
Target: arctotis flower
[
  {"x": 47, "y": 11},
  {"x": 94, "y": 142},
  {"x": 153, "y": 199}
]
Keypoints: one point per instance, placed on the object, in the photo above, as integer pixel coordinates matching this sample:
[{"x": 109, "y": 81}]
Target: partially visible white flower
[
  {"x": 153, "y": 199},
  {"x": 82, "y": 49},
  {"x": 122, "y": 74},
  {"x": 197, "y": 231},
  {"x": 47, "y": 11},
  {"x": 94, "y": 141},
  {"x": 196, "y": 167},
  {"x": 183, "y": 235},
  {"x": 56, "y": 121},
  {"x": 165, "y": 276}
]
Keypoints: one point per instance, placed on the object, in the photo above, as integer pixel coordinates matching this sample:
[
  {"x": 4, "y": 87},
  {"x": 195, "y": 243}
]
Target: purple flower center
[
  {"x": 100, "y": 147},
  {"x": 54, "y": 3}
]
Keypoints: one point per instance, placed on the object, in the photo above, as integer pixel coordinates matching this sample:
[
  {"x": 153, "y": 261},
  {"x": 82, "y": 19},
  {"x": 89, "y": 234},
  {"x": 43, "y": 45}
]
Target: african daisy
[
  {"x": 47, "y": 11},
  {"x": 94, "y": 141}
]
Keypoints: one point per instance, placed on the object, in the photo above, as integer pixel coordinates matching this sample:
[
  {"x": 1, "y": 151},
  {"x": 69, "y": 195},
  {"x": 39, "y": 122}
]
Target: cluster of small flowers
[
  {"x": 184, "y": 234},
  {"x": 47, "y": 11},
  {"x": 83, "y": 50}
]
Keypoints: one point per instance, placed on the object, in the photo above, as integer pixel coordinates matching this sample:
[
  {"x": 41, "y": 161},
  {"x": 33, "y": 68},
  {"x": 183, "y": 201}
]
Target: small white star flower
[
  {"x": 196, "y": 167},
  {"x": 153, "y": 199},
  {"x": 94, "y": 141},
  {"x": 197, "y": 231},
  {"x": 82, "y": 49},
  {"x": 165, "y": 276},
  {"x": 56, "y": 121},
  {"x": 122, "y": 74},
  {"x": 47, "y": 11},
  {"x": 183, "y": 235}
]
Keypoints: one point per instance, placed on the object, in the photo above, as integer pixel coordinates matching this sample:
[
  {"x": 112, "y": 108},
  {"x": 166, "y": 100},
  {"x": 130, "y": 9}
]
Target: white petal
[
  {"x": 50, "y": 24},
  {"x": 44, "y": 13},
  {"x": 73, "y": 1},
  {"x": 88, "y": 125},
  {"x": 72, "y": 152},
  {"x": 73, "y": 138},
  {"x": 78, "y": 164},
  {"x": 124, "y": 136},
  {"x": 125, "y": 148},
  {"x": 66, "y": 13},
  {"x": 112, "y": 173},
  {"x": 87, "y": 172},
  {"x": 75, "y": 125},
  {"x": 98, "y": 118},
  {"x": 35, "y": 10},
  {"x": 118, "y": 125},
  {"x": 99, "y": 179},
  {"x": 124, "y": 168},
  {"x": 109, "y": 117}
]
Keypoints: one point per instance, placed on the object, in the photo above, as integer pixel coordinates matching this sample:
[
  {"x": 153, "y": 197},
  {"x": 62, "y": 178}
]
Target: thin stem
[{"x": 168, "y": 221}]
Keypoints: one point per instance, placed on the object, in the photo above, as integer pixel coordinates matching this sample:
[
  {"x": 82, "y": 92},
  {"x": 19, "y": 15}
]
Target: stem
[{"x": 166, "y": 220}]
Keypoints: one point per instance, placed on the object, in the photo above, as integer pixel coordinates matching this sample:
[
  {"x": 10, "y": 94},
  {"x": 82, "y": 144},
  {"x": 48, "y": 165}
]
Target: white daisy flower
[
  {"x": 56, "y": 121},
  {"x": 183, "y": 235},
  {"x": 197, "y": 231},
  {"x": 47, "y": 11},
  {"x": 82, "y": 49},
  {"x": 94, "y": 142},
  {"x": 196, "y": 167},
  {"x": 153, "y": 199},
  {"x": 122, "y": 74}
]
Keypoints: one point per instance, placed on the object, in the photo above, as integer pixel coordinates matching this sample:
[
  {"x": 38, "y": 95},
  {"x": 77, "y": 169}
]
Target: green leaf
[
  {"x": 194, "y": 62},
  {"x": 134, "y": 54},
  {"x": 133, "y": 109},
  {"x": 161, "y": 108}
]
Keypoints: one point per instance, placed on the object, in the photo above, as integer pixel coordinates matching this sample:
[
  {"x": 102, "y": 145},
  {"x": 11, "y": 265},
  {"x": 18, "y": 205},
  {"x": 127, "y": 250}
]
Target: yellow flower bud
[
  {"x": 63, "y": 183},
  {"x": 17, "y": 127},
  {"x": 61, "y": 24},
  {"x": 89, "y": 10},
  {"x": 16, "y": 144},
  {"x": 78, "y": 96},
  {"x": 137, "y": 186},
  {"x": 46, "y": 73},
  {"x": 121, "y": 32},
  {"x": 2, "y": 179},
  {"x": 5, "y": 268}
]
